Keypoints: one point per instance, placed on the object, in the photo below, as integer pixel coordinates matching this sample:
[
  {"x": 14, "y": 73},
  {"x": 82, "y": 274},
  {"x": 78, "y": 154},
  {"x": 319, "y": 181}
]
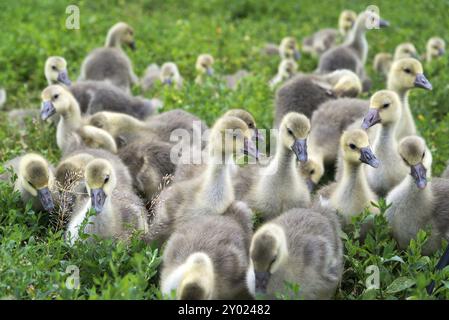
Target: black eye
[
  {"x": 106, "y": 179},
  {"x": 423, "y": 154},
  {"x": 250, "y": 125},
  {"x": 55, "y": 96},
  {"x": 352, "y": 146},
  {"x": 31, "y": 184},
  {"x": 312, "y": 171},
  {"x": 290, "y": 132},
  {"x": 386, "y": 105},
  {"x": 407, "y": 70},
  {"x": 53, "y": 67}
]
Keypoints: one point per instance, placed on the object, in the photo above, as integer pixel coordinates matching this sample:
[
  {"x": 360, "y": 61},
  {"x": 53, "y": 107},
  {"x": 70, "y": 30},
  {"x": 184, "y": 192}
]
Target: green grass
[{"x": 33, "y": 258}]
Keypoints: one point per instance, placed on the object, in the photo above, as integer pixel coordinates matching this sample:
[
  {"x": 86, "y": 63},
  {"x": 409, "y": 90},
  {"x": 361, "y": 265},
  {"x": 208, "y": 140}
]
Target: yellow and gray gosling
[
  {"x": 204, "y": 67},
  {"x": 111, "y": 63},
  {"x": 35, "y": 181},
  {"x": 435, "y": 48},
  {"x": 351, "y": 195},
  {"x": 207, "y": 258},
  {"x": 419, "y": 201},
  {"x": 212, "y": 191},
  {"x": 71, "y": 131},
  {"x": 118, "y": 211},
  {"x": 300, "y": 247}
]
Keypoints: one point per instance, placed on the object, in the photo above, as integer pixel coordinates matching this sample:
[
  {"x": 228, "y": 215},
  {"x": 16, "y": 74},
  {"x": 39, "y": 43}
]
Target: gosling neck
[
  {"x": 354, "y": 178},
  {"x": 406, "y": 124},
  {"x": 356, "y": 39},
  {"x": 72, "y": 117},
  {"x": 113, "y": 40},
  {"x": 386, "y": 137}
]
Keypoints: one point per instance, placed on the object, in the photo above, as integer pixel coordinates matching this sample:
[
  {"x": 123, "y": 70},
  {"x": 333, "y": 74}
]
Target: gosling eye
[
  {"x": 312, "y": 171},
  {"x": 352, "y": 146},
  {"x": 386, "y": 105},
  {"x": 290, "y": 132},
  {"x": 423, "y": 155},
  {"x": 251, "y": 125},
  {"x": 56, "y": 96},
  {"x": 106, "y": 179},
  {"x": 407, "y": 70},
  {"x": 53, "y": 67}
]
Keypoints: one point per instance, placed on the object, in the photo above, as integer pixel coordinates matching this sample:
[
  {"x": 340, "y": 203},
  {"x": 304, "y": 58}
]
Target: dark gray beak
[
  {"x": 250, "y": 149},
  {"x": 371, "y": 118},
  {"x": 297, "y": 55},
  {"x": 441, "y": 51},
  {"x": 210, "y": 71},
  {"x": 383, "y": 23},
  {"x": 168, "y": 81},
  {"x": 98, "y": 198},
  {"x": 47, "y": 110},
  {"x": 132, "y": 45},
  {"x": 262, "y": 279},
  {"x": 422, "y": 82},
  {"x": 310, "y": 185},
  {"x": 46, "y": 200},
  {"x": 63, "y": 77},
  {"x": 300, "y": 149},
  {"x": 368, "y": 157},
  {"x": 418, "y": 172}
]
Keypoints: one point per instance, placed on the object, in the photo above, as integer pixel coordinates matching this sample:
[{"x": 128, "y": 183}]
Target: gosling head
[
  {"x": 287, "y": 68},
  {"x": 345, "y": 83},
  {"x": 346, "y": 21},
  {"x": 34, "y": 176},
  {"x": 100, "y": 182},
  {"x": 312, "y": 172},
  {"x": 293, "y": 132},
  {"x": 56, "y": 71},
  {"x": 198, "y": 280},
  {"x": 414, "y": 152},
  {"x": 356, "y": 148},
  {"x": 204, "y": 64},
  {"x": 406, "y": 74},
  {"x": 268, "y": 252},
  {"x": 169, "y": 73},
  {"x": 121, "y": 33},
  {"x": 55, "y": 99},
  {"x": 97, "y": 138},
  {"x": 289, "y": 49},
  {"x": 230, "y": 136},
  {"x": 405, "y": 50},
  {"x": 370, "y": 19},
  {"x": 248, "y": 119},
  {"x": 385, "y": 107},
  {"x": 436, "y": 47}
]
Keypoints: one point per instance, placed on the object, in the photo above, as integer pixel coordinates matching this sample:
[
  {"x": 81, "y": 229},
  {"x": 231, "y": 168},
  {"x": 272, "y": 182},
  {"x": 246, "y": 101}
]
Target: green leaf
[{"x": 400, "y": 284}]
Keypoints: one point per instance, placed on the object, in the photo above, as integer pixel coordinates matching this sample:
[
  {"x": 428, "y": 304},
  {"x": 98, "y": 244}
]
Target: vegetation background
[{"x": 33, "y": 256}]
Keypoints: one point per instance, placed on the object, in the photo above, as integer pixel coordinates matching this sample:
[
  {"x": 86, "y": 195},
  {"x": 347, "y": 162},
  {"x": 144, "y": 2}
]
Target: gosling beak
[
  {"x": 418, "y": 172},
  {"x": 368, "y": 157},
  {"x": 258, "y": 136},
  {"x": 210, "y": 71},
  {"x": 63, "y": 77},
  {"x": 297, "y": 54},
  {"x": 47, "y": 110},
  {"x": 441, "y": 51},
  {"x": 262, "y": 279},
  {"x": 371, "y": 118},
  {"x": 310, "y": 185},
  {"x": 132, "y": 45},
  {"x": 422, "y": 82},
  {"x": 98, "y": 197},
  {"x": 168, "y": 81},
  {"x": 383, "y": 23},
  {"x": 299, "y": 147},
  {"x": 45, "y": 198},
  {"x": 250, "y": 149}
]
